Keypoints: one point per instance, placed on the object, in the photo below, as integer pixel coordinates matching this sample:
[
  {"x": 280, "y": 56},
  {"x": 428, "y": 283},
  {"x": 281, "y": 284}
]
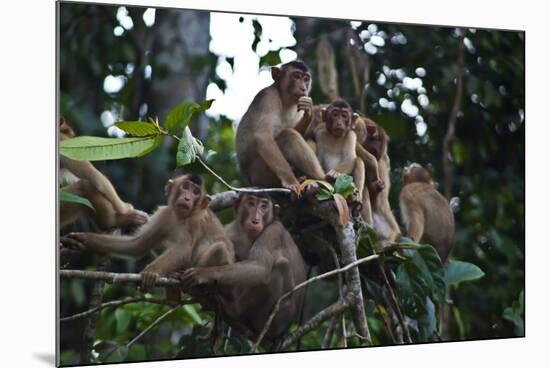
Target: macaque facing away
[
  {"x": 90, "y": 183},
  {"x": 425, "y": 212},
  {"x": 269, "y": 144},
  {"x": 187, "y": 230},
  {"x": 334, "y": 143},
  {"x": 268, "y": 265},
  {"x": 373, "y": 143}
]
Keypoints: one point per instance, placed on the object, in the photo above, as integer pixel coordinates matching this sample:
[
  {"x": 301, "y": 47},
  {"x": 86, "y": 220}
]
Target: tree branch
[
  {"x": 118, "y": 303},
  {"x": 449, "y": 136},
  {"x": 302, "y": 285},
  {"x": 114, "y": 278},
  {"x": 331, "y": 311}
]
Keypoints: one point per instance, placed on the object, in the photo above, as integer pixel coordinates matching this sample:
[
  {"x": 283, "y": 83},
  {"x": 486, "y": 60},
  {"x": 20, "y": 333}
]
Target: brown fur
[
  {"x": 190, "y": 236},
  {"x": 268, "y": 139},
  {"x": 268, "y": 265},
  {"x": 426, "y": 213}
]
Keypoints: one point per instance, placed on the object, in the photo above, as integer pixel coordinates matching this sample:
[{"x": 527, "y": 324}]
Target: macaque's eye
[
  {"x": 306, "y": 78},
  {"x": 196, "y": 191},
  {"x": 264, "y": 206}
]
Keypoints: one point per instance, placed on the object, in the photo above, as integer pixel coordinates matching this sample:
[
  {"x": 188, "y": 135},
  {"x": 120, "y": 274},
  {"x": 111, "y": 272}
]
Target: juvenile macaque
[
  {"x": 90, "y": 183},
  {"x": 268, "y": 265},
  {"x": 373, "y": 143},
  {"x": 268, "y": 140},
  {"x": 425, "y": 212},
  {"x": 334, "y": 143},
  {"x": 186, "y": 228}
]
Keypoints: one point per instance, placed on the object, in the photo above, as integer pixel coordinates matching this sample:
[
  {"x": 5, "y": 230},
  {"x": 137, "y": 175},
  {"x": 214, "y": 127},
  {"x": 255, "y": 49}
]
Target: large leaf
[
  {"x": 70, "y": 197},
  {"x": 515, "y": 313},
  {"x": 344, "y": 185},
  {"x": 156, "y": 143},
  {"x": 188, "y": 148},
  {"x": 99, "y": 148},
  {"x": 420, "y": 276},
  {"x": 458, "y": 271},
  {"x": 123, "y": 318},
  {"x": 138, "y": 128},
  {"x": 179, "y": 117}
]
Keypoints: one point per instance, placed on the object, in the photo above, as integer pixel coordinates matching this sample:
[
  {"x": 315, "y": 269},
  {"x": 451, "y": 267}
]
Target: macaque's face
[
  {"x": 186, "y": 195},
  {"x": 374, "y": 142},
  {"x": 254, "y": 213},
  {"x": 338, "y": 120},
  {"x": 65, "y": 130},
  {"x": 292, "y": 81}
]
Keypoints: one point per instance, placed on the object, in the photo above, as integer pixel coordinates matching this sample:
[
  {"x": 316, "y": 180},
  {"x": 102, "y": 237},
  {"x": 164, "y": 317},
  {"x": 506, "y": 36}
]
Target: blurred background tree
[{"x": 129, "y": 63}]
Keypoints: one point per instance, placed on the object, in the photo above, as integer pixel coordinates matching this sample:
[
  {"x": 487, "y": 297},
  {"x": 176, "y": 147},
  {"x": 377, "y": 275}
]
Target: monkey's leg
[
  {"x": 366, "y": 211},
  {"x": 103, "y": 214},
  {"x": 259, "y": 174},
  {"x": 359, "y": 176},
  {"x": 215, "y": 255},
  {"x": 415, "y": 228},
  {"x": 299, "y": 154}
]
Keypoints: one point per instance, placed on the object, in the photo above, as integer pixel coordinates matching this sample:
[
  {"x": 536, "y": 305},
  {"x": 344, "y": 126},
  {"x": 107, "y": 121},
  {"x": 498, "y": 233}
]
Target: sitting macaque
[
  {"x": 269, "y": 143},
  {"x": 90, "y": 183},
  {"x": 268, "y": 265},
  {"x": 425, "y": 212},
  {"x": 186, "y": 228},
  {"x": 373, "y": 144},
  {"x": 334, "y": 143}
]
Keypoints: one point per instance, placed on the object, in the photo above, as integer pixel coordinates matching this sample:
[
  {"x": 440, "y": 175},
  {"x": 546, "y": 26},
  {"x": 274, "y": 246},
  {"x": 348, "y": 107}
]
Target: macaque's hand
[
  {"x": 148, "y": 280},
  {"x": 67, "y": 242},
  {"x": 305, "y": 104},
  {"x": 131, "y": 217},
  {"x": 77, "y": 240},
  {"x": 332, "y": 175},
  {"x": 292, "y": 186},
  {"x": 193, "y": 277},
  {"x": 379, "y": 185}
]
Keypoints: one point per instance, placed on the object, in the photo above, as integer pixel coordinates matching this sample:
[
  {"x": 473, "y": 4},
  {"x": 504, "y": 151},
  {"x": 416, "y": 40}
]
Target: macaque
[
  {"x": 269, "y": 143},
  {"x": 186, "y": 228},
  {"x": 88, "y": 182},
  {"x": 425, "y": 212},
  {"x": 268, "y": 265},
  {"x": 373, "y": 144},
  {"x": 334, "y": 143}
]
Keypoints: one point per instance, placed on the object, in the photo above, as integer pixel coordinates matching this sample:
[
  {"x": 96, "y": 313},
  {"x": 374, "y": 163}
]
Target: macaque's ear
[
  {"x": 324, "y": 114},
  {"x": 354, "y": 117},
  {"x": 371, "y": 129},
  {"x": 276, "y": 73},
  {"x": 168, "y": 186},
  {"x": 276, "y": 209},
  {"x": 61, "y": 120},
  {"x": 206, "y": 201}
]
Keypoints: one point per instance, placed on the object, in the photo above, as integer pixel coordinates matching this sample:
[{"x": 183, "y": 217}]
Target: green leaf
[
  {"x": 98, "y": 148},
  {"x": 458, "y": 271},
  {"x": 78, "y": 293},
  {"x": 192, "y": 312},
  {"x": 323, "y": 195},
  {"x": 138, "y": 128},
  {"x": 188, "y": 148},
  {"x": 137, "y": 352},
  {"x": 368, "y": 237},
  {"x": 123, "y": 318},
  {"x": 156, "y": 143},
  {"x": 515, "y": 313},
  {"x": 344, "y": 185},
  {"x": 70, "y": 197},
  {"x": 420, "y": 275},
  {"x": 110, "y": 351},
  {"x": 179, "y": 117}
]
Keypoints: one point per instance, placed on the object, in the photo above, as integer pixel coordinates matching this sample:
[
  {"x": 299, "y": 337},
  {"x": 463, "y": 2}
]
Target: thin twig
[
  {"x": 449, "y": 136},
  {"x": 327, "y": 339},
  {"x": 302, "y": 285},
  {"x": 118, "y": 303},
  {"x": 157, "y": 321},
  {"x": 395, "y": 303}
]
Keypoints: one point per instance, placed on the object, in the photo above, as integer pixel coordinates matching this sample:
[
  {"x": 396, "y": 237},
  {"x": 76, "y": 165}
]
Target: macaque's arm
[
  {"x": 371, "y": 164},
  {"x": 273, "y": 157},
  {"x": 86, "y": 170}
]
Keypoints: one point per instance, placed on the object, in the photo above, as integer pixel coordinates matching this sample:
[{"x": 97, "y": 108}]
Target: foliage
[
  {"x": 410, "y": 75},
  {"x": 70, "y": 197}
]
